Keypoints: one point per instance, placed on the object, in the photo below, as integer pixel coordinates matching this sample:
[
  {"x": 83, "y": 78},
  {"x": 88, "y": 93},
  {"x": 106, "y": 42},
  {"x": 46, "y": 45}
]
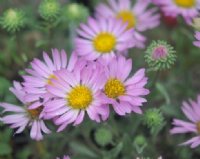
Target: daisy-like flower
[
  {"x": 192, "y": 111},
  {"x": 125, "y": 94},
  {"x": 40, "y": 76},
  {"x": 75, "y": 94},
  {"x": 186, "y": 8},
  {"x": 137, "y": 16},
  {"x": 65, "y": 157},
  {"x": 103, "y": 38},
  {"x": 197, "y": 36},
  {"x": 20, "y": 117}
]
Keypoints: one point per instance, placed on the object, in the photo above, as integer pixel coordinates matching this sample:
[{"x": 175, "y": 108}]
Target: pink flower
[
  {"x": 125, "y": 94},
  {"x": 41, "y": 73},
  {"x": 20, "y": 117},
  {"x": 103, "y": 38},
  {"x": 75, "y": 94},
  {"x": 65, "y": 157},
  {"x": 192, "y": 112},
  {"x": 137, "y": 16},
  {"x": 186, "y": 8},
  {"x": 197, "y": 36}
]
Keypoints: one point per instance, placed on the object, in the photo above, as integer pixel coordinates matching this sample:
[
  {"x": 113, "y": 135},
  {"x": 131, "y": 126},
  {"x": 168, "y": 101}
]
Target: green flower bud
[
  {"x": 153, "y": 118},
  {"x": 13, "y": 20},
  {"x": 103, "y": 136},
  {"x": 160, "y": 55},
  {"x": 140, "y": 140},
  {"x": 49, "y": 9},
  {"x": 196, "y": 23},
  {"x": 75, "y": 13}
]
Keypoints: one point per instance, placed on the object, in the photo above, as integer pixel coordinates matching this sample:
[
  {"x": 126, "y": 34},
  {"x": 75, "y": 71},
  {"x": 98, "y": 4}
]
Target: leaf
[
  {"x": 82, "y": 149},
  {"x": 5, "y": 149},
  {"x": 163, "y": 91}
]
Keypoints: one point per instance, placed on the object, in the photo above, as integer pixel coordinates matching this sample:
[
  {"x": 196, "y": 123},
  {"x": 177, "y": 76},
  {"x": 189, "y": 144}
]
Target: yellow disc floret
[
  {"x": 127, "y": 17},
  {"x": 114, "y": 88},
  {"x": 34, "y": 113},
  {"x": 185, "y": 3},
  {"x": 80, "y": 97},
  {"x": 104, "y": 42}
]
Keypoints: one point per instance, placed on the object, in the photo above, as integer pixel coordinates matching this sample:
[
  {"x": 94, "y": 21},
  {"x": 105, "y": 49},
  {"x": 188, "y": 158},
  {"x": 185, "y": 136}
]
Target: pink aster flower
[
  {"x": 186, "y": 8},
  {"x": 103, "y": 38},
  {"x": 65, "y": 157},
  {"x": 197, "y": 36},
  {"x": 20, "y": 117},
  {"x": 41, "y": 73},
  {"x": 124, "y": 93},
  {"x": 137, "y": 16},
  {"x": 75, "y": 94},
  {"x": 192, "y": 112}
]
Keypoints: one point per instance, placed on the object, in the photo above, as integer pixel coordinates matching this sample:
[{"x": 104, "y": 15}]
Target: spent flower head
[
  {"x": 160, "y": 55},
  {"x": 13, "y": 20},
  {"x": 49, "y": 9}
]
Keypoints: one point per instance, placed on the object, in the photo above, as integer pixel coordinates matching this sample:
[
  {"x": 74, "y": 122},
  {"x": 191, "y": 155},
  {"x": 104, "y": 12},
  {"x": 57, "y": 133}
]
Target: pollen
[
  {"x": 114, "y": 88},
  {"x": 80, "y": 97},
  {"x": 34, "y": 113},
  {"x": 198, "y": 127},
  {"x": 104, "y": 42},
  {"x": 127, "y": 17},
  {"x": 185, "y": 3}
]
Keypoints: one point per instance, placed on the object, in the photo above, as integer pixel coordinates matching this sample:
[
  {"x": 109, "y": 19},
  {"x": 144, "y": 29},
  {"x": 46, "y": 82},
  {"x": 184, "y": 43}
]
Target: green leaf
[
  {"x": 5, "y": 149},
  {"x": 163, "y": 91},
  {"x": 82, "y": 149}
]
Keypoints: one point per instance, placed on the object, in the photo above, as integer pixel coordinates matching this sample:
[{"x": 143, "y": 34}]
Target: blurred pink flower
[
  {"x": 192, "y": 112},
  {"x": 138, "y": 16},
  {"x": 22, "y": 117},
  {"x": 197, "y": 36},
  {"x": 41, "y": 73},
  {"x": 76, "y": 93},
  {"x": 186, "y": 8},
  {"x": 124, "y": 92},
  {"x": 65, "y": 157},
  {"x": 103, "y": 38}
]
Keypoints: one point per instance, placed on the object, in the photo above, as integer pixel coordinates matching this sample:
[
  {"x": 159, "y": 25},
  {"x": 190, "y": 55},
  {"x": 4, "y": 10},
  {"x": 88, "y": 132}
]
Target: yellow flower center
[
  {"x": 80, "y": 97},
  {"x": 127, "y": 17},
  {"x": 34, "y": 113},
  {"x": 114, "y": 88},
  {"x": 49, "y": 82},
  {"x": 198, "y": 126},
  {"x": 185, "y": 3},
  {"x": 104, "y": 42}
]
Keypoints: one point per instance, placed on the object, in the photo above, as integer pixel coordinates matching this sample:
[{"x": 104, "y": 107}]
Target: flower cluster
[{"x": 65, "y": 91}]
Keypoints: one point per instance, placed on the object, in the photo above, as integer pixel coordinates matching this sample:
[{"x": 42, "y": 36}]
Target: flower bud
[
  {"x": 103, "y": 136},
  {"x": 160, "y": 55},
  {"x": 13, "y": 20},
  {"x": 49, "y": 9}
]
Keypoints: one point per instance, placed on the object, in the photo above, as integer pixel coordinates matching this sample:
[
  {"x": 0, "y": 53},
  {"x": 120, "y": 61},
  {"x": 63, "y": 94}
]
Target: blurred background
[{"x": 128, "y": 137}]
